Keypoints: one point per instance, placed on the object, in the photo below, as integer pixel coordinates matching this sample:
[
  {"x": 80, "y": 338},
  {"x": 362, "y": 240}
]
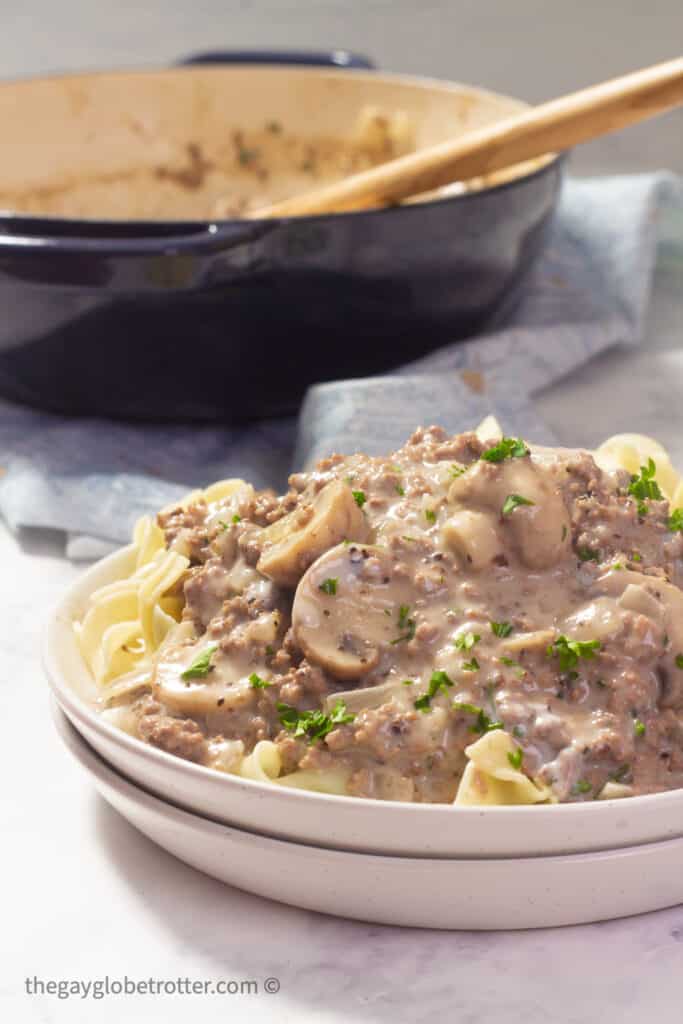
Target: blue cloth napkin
[{"x": 93, "y": 478}]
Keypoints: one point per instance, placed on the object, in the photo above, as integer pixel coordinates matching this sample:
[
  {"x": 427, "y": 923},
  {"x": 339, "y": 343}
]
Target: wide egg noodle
[{"x": 491, "y": 779}]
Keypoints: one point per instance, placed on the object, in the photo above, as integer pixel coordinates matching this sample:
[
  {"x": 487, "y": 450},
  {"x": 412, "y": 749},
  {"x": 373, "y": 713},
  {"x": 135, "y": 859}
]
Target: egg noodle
[{"x": 126, "y": 622}]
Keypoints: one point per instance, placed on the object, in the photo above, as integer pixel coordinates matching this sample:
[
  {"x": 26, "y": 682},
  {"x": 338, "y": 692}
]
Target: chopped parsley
[
  {"x": 644, "y": 487},
  {"x": 512, "y": 502},
  {"x": 616, "y": 566},
  {"x": 639, "y": 727},
  {"x": 270, "y": 650},
  {"x": 466, "y": 641},
  {"x": 236, "y": 518},
  {"x": 588, "y": 555},
  {"x": 515, "y": 758},
  {"x": 675, "y": 521},
  {"x": 359, "y": 498},
  {"x": 507, "y": 448},
  {"x": 438, "y": 683},
  {"x": 569, "y": 651},
  {"x": 257, "y": 683},
  {"x": 620, "y": 774},
  {"x": 582, "y": 786},
  {"x": 471, "y": 666},
  {"x": 201, "y": 666},
  {"x": 222, "y": 522},
  {"x": 501, "y": 629},
  {"x": 637, "y": 557},
  {"x": 314, "y": 725},
  {"x": 430, "y": 515},
  {"x": 400, "y": 490},
  {"x": 457, "y": 471},
  {"x": 329, "y": 586},
  {"x": 408, "y": 682},
  {"x": 483, "y": 723},
  {"x": 519, "y": 671},
  {"x": 679, "y": 661},
  {"x": 406, "y": 624}
]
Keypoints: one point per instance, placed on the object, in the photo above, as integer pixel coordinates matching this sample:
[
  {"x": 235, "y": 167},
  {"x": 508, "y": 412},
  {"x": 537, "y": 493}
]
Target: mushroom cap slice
[
  {"x": 345, "y": 609},
  {"x": 296, "y": 540}
]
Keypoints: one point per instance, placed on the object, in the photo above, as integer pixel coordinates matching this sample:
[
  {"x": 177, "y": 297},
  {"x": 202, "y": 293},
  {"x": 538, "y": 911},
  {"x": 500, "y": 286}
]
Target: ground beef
[{"x": 180, "y": 736}]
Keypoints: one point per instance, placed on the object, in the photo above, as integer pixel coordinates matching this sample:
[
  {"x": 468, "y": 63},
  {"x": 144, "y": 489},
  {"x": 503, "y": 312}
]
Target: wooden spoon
[{"x": 542, "y": 130}]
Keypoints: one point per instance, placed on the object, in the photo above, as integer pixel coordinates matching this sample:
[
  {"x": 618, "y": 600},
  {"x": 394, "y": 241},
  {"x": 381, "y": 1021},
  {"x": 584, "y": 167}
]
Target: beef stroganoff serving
[{"x": 472, "y": 619}]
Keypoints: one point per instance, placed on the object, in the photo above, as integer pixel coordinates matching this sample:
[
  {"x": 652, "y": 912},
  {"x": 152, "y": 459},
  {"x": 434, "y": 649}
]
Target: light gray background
[{"x": 534, "y": 49}]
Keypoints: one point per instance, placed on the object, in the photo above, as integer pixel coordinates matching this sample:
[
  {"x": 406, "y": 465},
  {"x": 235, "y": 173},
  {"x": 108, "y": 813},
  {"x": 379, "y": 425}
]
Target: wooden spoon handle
[{"x": 548, "y": 128}]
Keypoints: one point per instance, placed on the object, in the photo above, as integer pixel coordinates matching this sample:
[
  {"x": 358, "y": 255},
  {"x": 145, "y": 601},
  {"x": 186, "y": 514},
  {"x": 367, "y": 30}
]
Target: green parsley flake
[
  {"x": 314, "y": 725},
  {"x": 329, "y": 586},
  {"x": 257, "y": 683},
  {"x": 507, "y": 448},
  {"x": 588, "y": 555},
  {"x": 430, "y": 515},
  {"x": 679, "y": 661},
  {"x": 408, "y": 682},
  {"x": 513, "y": 501},
  {"x": 483, "y": 723},
  {"x": 236, "y": 518},
  {"x": 466, "y": 641},
  {"x": 222, "y": 522},
  {"x": 616, "y": 566},
  {"x": 675, "y": 521},
  {"x": 457, "y": 471},
  {"x": 644, "y": 487},
  {"x": 638, "y": 727},
  {"x": 582, "y": 786},
  {"x": 501, "y": 629},
  {"x": 400, "y": 490},
  {"x": 569, "y": 651},
  {"x": 359, "y": 498},
  {"x": 620, "y": 774},
  {"x": 637, "y": 557},
  {"x": 438, "y": 683},
  {"x": 471, "y": 666},
  {"x": 201, "y": 666},
  {"x": 406, "y": 624},
  {"x": 515, "y": 758}
]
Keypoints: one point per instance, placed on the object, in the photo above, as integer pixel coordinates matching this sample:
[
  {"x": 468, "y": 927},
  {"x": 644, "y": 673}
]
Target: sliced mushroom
[
  {"x": 541, "y": 529},
  {"x": 474, "y": 537},
  {"x": 294, "y": 542},
  {"x": 623, "y": 585},
  {"x": 347, "y": 609},
  {"x": 223, "y": 688}
]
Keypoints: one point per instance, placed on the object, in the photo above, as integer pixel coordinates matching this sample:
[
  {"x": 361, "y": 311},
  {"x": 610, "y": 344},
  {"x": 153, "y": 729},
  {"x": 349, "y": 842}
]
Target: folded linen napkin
[{"x": 93, "y": 478}]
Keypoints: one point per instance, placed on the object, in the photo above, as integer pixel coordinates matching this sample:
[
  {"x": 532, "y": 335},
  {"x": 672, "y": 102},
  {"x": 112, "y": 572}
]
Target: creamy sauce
[{"x": 437, "y": 593}]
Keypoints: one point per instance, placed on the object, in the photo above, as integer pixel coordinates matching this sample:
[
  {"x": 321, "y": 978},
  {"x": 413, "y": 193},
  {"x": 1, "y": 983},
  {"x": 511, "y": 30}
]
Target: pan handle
[{"x": 310, "y": 58}]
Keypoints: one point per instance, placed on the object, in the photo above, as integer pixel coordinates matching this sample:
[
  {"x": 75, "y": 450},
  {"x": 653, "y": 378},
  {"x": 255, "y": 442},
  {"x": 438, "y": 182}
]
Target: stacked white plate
[{"x": 432, "y": 866}]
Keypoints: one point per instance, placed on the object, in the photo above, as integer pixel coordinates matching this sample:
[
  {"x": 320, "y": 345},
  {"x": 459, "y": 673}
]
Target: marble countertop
[{"x": 86, "y": 896}]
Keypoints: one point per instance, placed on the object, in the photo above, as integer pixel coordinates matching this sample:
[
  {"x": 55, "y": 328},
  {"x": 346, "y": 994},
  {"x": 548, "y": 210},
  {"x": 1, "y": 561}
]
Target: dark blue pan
[{"x": 234, "y": 319}]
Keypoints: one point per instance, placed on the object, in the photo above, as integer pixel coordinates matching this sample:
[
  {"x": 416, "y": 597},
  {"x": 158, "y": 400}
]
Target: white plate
[
  {"x": 530, "y": 892},
  {"x": 416, "y": 830}
]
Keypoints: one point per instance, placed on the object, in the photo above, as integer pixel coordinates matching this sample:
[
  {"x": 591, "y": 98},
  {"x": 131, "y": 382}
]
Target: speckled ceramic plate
[
  {"x": 530, "y": 892},
  {"x": 344, "y": 823}
]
